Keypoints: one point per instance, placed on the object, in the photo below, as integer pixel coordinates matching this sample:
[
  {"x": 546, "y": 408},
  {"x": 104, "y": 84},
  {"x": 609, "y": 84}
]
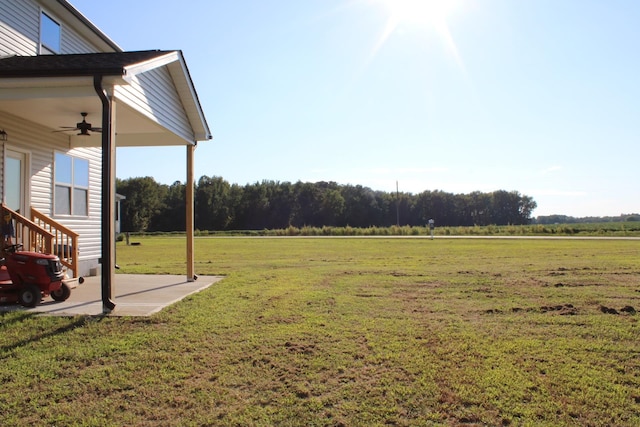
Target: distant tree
[
  {"x": 213, "y": 210},
  {"x": 554, "y": 219},
  {"x": 280, "y": 198},
  {"x": 479, "y": 208},
  {"x": 236, "y": 195},
  {"x": 526, "y": 208},
  {"x": 511, "y": 208},
  {"x": 306, "y": 204},
  {"x": 331, "y": 207},
  {"x": 254, "y": 206},
  {"x": 442, "y": 208},
  {"x": 361, "y": 207},
  {"x": 172, "y": 212},
  {"x": 399, "y": 208},
  {"x": 144, "y": 200}
]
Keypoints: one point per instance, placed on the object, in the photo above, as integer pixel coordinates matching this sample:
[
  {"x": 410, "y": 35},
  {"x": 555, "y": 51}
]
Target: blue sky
[{"x": 537, "y": 96}]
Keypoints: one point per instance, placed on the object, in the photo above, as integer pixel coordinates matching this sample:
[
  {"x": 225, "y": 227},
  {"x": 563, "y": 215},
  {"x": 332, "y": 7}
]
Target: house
[
  {"x": 69, "y": 96},
  {"x": 119, "y": 199}
]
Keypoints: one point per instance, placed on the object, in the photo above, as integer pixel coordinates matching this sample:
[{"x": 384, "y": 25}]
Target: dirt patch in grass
[{"x": 627, "y": 309}]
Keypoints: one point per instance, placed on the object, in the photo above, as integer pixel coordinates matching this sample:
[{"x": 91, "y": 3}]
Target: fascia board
[
  {"x": 131, "y": 71},
  {"x": 182, "y": 78}
]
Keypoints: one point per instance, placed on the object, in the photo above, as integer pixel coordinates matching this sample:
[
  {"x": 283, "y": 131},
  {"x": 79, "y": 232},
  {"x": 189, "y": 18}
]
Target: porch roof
[
  {"x": 53, "y": 89},
  {"x": 73, "y": 65}
]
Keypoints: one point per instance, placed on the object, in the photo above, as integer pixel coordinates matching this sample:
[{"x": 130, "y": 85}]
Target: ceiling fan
[{"x": 82, "y": 126}]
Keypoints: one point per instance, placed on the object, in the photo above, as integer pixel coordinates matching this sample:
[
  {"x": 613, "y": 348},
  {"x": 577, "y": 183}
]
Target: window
[
  {"x": 49, "y": 35},
  {"x": 71, "y": 185}
]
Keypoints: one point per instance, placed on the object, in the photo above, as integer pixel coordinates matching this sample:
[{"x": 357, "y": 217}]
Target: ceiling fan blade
[{"x": 83, "y": 127}]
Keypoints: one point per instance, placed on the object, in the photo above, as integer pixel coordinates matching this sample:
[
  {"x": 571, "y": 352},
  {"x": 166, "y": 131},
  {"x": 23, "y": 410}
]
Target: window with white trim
[
  {"x": 49, "y": 35},
  {"x": 71, "y": 185}
]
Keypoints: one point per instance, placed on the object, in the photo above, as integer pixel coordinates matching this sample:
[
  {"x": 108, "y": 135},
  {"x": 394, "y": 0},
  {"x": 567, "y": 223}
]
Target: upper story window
[
  {"x": 49, "y": 35},
  {"x": 71, "y": 185}
]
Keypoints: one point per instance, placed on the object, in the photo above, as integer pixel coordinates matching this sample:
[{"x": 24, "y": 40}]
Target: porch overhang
[{"x": 52, "y": 90}]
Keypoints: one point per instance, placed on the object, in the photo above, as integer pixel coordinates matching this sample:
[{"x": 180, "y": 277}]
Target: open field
[{"x": 347, "y": 332}]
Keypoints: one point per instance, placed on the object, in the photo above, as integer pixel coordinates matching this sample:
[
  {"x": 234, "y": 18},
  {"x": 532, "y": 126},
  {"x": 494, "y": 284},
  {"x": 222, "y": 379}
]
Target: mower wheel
[
  {"x": 30, "y": 296},
  {"x": 61, "y": 294}
]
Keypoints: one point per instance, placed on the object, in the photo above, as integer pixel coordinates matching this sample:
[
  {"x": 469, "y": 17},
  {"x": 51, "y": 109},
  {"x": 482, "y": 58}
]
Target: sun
[
  {"x": 419, "y": 12},
  {"x": 429, "y": 15}
]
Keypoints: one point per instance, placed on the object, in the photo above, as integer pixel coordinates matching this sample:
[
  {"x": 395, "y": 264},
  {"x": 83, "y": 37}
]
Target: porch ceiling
[{"x": 132, "y": 127}]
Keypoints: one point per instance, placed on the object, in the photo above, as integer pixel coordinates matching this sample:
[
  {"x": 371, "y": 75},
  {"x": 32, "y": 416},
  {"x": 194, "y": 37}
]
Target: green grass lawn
[{"x": 347, "y": 332}]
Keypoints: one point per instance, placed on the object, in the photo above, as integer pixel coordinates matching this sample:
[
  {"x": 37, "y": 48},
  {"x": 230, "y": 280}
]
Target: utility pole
[{"x": 397, "y": 205}]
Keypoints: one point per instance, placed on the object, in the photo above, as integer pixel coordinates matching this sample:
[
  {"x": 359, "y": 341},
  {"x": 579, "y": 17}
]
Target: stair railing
[
  {"x": 30, "y": 235},
  {"x": 64, "y": 240}
]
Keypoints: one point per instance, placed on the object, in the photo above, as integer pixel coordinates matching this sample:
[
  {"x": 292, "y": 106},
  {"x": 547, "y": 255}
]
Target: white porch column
[{"x": 191, "y": 275}]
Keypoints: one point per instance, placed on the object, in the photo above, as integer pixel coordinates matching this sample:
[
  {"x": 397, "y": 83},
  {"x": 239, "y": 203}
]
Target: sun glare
[
  {"x": 430, "y": 15},
  {"x": 419, "y": 12}
]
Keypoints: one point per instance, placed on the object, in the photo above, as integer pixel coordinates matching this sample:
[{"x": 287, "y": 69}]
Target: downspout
[{"x": 108, "y": 243}]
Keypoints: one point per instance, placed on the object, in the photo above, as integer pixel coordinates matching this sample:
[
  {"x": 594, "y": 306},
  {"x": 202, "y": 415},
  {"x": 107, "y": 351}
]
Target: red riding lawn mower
[{"x": 27, "y": 277}]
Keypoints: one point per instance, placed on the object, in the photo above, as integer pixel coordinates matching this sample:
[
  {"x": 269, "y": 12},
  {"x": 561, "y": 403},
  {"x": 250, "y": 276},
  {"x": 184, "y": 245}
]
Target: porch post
[{"x": 191, "y": 275}]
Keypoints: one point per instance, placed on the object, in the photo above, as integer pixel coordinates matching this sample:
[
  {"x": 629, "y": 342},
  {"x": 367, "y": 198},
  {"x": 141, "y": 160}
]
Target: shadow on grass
[
  {"x": 15, "y": 319},
  {"x": 73, "y": 324}
]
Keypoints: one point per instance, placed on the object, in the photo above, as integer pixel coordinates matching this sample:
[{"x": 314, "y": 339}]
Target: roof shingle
[{"x": 73, "y": 65}]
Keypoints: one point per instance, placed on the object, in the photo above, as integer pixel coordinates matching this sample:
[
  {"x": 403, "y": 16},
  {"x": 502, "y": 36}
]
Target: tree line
[
  {"x": 565, "y": 219},
  {"x": 149, "y": 206}
]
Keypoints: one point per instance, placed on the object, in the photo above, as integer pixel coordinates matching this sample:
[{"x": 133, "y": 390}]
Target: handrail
[
  {"x": 65, "y": 240},
  {"x": 29, "y": 234}
]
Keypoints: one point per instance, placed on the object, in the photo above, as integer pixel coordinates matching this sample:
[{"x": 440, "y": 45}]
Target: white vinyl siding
[
  {"x": 41, "y": 145},
  {"x": 154, "y": 94},
  {"x": 72, "y": 42},
  {"x": 20, "y": 30},
  {"x": 19, "y": 27}
]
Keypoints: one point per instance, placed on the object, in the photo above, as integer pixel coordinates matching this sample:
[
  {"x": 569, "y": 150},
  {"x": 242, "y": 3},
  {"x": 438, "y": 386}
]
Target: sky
[{"x": 536, "y": 96}]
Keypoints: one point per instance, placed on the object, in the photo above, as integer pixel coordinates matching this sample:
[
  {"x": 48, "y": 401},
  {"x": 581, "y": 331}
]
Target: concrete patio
[{"x": 134, "y": 295}]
